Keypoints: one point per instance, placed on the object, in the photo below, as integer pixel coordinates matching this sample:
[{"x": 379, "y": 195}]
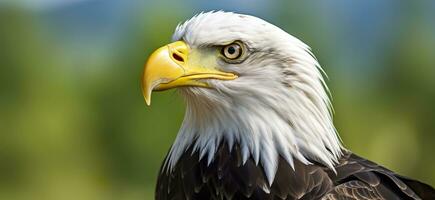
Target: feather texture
[
  {"x": 278, "y": 107},
  {"x": 268, "y": 134},
  {"x": 227, "y": 177}
]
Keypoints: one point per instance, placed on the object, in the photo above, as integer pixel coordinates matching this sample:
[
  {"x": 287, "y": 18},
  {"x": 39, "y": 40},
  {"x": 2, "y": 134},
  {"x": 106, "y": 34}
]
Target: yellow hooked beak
[{"x": 168, "y": 67}]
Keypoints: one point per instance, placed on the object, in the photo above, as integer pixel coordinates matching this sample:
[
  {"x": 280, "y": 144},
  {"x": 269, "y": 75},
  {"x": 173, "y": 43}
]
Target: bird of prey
[{"x": 258, "y": 122}]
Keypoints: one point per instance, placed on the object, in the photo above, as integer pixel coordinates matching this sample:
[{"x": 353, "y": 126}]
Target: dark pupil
[{"x": 231, "y": 50}]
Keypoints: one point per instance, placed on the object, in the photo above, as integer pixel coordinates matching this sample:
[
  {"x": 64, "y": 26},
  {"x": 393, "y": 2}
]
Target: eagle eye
[{"x": 232, "y": 51}]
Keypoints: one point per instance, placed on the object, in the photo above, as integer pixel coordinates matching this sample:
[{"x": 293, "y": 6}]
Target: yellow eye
[{"x": 232, "y": 51}]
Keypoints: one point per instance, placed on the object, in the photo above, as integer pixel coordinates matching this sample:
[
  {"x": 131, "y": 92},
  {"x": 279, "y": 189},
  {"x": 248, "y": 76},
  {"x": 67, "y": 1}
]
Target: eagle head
[{"x": 245, "y": 82}]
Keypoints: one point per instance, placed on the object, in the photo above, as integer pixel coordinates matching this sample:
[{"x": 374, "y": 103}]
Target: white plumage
[{"x": 279, "y": 105}]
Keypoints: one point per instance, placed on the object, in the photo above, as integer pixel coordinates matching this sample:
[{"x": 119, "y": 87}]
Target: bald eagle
[{"x": 258, "y": 122}]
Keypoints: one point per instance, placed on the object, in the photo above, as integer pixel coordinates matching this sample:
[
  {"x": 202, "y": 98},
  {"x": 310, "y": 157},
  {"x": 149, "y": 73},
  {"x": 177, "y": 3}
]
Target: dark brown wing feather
[
  {"x": 355, "y": 190},
  {"x": 226, "y": 177},
  {"x": 423, "y": 190},
  {"x": 358, "y": 178}
]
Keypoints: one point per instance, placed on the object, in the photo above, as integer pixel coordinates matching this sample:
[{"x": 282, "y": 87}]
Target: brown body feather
[{"x": 226, "y": 177}]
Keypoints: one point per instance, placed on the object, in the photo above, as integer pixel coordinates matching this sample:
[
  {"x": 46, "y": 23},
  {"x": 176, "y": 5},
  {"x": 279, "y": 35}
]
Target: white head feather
[{"x": 279, "y": 105}]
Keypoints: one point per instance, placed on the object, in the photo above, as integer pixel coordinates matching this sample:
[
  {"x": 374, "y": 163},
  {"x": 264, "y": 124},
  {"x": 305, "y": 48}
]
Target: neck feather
[{"x": 301, "y": 131}]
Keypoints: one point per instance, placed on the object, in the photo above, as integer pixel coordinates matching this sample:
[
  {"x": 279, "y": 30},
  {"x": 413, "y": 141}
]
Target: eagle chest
[{"x": 227, "y": 177}]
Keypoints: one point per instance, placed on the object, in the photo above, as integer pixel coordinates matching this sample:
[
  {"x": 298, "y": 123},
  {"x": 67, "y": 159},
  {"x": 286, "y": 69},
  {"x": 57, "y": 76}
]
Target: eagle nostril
[{"x": 177, "y": 57}]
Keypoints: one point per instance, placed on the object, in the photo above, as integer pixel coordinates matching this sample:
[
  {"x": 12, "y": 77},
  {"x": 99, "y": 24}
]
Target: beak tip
[
  {"x": 147, "y": 97},
  {"x": 146, "y": 92}
]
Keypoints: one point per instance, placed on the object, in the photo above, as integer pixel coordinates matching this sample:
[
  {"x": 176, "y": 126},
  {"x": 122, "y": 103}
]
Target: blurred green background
[{"x": 73, "y": 124}]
